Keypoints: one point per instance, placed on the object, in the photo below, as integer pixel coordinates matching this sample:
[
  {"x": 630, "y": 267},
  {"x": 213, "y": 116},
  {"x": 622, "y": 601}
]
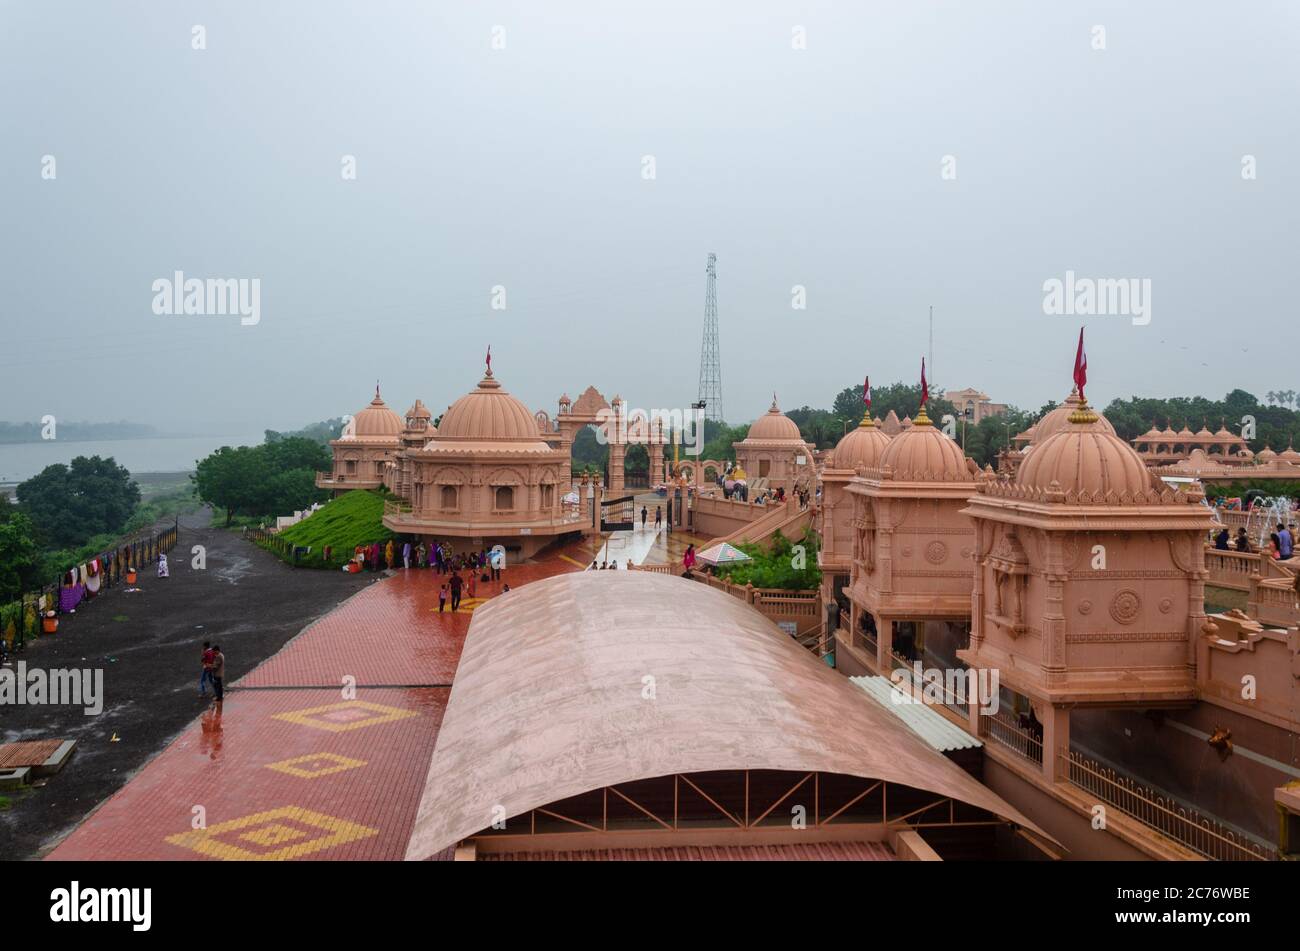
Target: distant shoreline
[
  {"x": 161, "y": 476},
  {"x": 79, "y": 439}
]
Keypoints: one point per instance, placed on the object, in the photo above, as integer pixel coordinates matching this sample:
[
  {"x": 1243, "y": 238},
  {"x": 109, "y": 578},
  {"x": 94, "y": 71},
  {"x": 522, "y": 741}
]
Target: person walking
[
  {"x": 456, "y": 584},
  {"x": 659, "y": 516},
  {"x": 471, "y": 586},
  {"x": 406, "y": 556},
  {"x": 644, "y": 512},
  {"x": 442, "y": 598},
  {"x": 1285, "y": 542},
  {"x": 205, "y": 660},
  {"x": 498, "y": 559},
  {"x": 218, "y": 672},
  {"x": 688, "y": 559}
]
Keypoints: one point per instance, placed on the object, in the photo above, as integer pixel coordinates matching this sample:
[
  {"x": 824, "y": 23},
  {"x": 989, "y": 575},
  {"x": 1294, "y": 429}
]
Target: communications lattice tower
[{"x": 710, "y": 353}]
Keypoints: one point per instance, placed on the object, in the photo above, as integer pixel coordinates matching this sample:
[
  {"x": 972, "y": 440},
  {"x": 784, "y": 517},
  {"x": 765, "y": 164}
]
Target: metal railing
[
  {"x": 1183, "y": 824},
  {"x": 950, "y": 698},
  {"x": 1007, "y": 733}
]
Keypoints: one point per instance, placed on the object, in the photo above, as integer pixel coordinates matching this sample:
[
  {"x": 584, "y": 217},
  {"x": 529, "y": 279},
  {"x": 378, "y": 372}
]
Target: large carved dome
[
  {"x": 488, "y": 414},
  {"x": 1085, "y": 456},
  {"x": 774, "y": 424},
  {"x": 377, "y": 420},
  {"x": 1056, "y": 420},
  {"x": 861, "y": 446},
  {"x": 921, "y": 453}
]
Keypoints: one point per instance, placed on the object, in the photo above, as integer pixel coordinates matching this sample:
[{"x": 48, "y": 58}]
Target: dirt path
[{"x": 147, "y": 644}]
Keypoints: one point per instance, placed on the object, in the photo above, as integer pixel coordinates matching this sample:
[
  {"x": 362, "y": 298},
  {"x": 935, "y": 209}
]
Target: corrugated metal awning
[{"x": 928, "y": 724}]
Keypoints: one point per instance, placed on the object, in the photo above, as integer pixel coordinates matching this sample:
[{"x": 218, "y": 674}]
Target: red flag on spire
[
  {"x": 925, "y": 390},
  {"x": 489, "y": 358},
  {"x": 866, "y": 391},
  {"x": 1080, "y": 366}
]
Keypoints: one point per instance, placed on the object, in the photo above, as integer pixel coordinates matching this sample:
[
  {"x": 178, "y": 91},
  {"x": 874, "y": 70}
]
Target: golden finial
[{"x": 1083, "y": 414}]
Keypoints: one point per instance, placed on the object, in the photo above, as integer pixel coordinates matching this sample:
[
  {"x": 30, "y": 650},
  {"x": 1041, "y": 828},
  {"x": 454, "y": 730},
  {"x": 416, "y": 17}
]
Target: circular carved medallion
[
  {"x": 1124, "y": 607},
  {"x": 1085, "y": 607},
  {"x": 1166, "y": 605},
  {"x": 936, "y": 553},
  {"x": 907, "y": 552}
]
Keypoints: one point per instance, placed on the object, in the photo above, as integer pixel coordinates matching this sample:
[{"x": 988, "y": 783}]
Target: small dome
[
  {"x": 488, "y": 414},
  {"x": 1266, "y": 455},
  {"x": 1085, "y": 456},
  {"x": 1057, "y": 419},
  {"x": 1150, "y": 434},
  {"x": 775, "y": 425},
  {"x": 1289, "y": 454},
  {"x": 419, "y": 411},
  {"x": 921, "y": 453},
  {"x": 377, "y": 420},
  {"x": 862, "y": 446}
]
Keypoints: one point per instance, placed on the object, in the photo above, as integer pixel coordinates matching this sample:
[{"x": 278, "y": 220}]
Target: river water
[{"x": 19, "y": 461}]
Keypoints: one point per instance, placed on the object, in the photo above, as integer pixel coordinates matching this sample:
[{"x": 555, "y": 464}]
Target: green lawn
[{"x": 354, "y": 518}]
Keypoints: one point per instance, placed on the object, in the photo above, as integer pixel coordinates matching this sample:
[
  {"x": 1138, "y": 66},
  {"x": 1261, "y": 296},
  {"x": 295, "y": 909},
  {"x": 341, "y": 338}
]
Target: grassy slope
[{"x": 354, "y": 518}]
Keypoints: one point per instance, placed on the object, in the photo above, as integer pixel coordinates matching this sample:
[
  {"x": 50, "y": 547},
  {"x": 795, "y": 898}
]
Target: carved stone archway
[{"x": 610, "y": 418}]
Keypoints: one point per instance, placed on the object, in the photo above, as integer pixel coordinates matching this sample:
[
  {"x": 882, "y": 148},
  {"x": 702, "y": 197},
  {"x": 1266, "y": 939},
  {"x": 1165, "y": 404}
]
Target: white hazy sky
[{"x": 522, "y": 167}]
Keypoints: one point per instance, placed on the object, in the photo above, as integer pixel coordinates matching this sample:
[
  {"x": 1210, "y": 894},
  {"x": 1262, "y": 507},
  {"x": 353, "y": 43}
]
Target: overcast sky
[{"x": 524, "y": 167}]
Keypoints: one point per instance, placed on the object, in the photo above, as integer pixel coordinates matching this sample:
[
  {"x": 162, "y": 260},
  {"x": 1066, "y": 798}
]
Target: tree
[
  {"x": 227, "y": 479},
  {"x": 19, "y": 552},
  {"x": 321, "y": 432},
  {"x": 70, "y": 504},
  {"x": 903, "y": 398},
  {"x": 275, "y": 478}
]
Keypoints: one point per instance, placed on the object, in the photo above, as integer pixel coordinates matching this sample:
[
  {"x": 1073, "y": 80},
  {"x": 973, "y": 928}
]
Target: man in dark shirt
[
  {"x": 456, "y": 583},
  {"x": 218, "y": 672}
]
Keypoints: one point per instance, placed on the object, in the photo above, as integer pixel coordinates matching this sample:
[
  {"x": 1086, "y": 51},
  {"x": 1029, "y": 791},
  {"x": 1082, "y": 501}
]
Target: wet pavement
[{"x": 322, "y": 751}]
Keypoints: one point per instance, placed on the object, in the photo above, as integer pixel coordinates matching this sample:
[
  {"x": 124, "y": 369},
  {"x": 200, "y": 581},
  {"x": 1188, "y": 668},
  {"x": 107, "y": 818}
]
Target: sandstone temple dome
[
  {"x": 921, "y": 453},
  {"x": 774, "y": 424},
  {"x": 1054, "y": 421},
  {"x": 1085, "y": 456},
  {"x": 862, "y": 446},
  {"x": 376, "y": 420},
  {"x": 488, "y": 414}
]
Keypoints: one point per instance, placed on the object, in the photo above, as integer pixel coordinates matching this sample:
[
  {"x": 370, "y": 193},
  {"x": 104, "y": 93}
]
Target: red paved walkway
[{"x": 294, "y": 767}]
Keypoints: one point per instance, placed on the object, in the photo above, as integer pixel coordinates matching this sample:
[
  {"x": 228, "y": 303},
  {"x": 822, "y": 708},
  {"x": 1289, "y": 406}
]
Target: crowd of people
[
  {"x": 440, "y": 556},
  {"x": 1281, "y": 542},
  {"x": 1280, "y": 547}
]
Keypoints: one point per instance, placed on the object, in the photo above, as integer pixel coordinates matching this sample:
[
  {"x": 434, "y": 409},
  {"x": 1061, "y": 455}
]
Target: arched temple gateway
[
  {"x": 618, "y": 429},
  {"x": 486, "y": 477},
  {"x": 363, "y": 453}
]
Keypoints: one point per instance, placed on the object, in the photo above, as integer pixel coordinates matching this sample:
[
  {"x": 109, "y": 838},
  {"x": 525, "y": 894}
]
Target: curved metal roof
[{"x": 549, "y": 702}]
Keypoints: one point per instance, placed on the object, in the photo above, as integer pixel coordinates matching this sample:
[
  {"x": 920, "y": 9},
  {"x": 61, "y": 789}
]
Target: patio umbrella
[{"x": 722, "y": 554}]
